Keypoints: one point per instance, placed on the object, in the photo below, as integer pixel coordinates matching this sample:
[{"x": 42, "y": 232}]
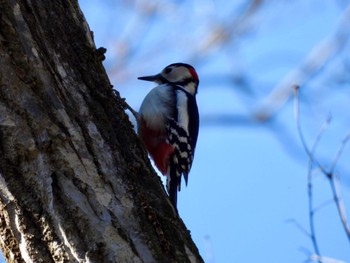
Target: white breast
[{"x": 155, "y": 108}]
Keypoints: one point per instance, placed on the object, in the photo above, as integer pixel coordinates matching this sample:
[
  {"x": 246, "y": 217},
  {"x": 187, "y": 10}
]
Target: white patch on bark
[
  {"x": 44, "y": 176},
  {"x": 67, "y": 243},
  {"x": 35, "y": 52},
  {"x": 4, "y": 191},
  {"x": 25, "y": 35},
  {"x": 22, "y": 244},
  {"x": 190, "y": 255},
  {"x": 16, "y": 10},
  {"x": 88, "y": 33},
  {"x": 61, "y": 71}
]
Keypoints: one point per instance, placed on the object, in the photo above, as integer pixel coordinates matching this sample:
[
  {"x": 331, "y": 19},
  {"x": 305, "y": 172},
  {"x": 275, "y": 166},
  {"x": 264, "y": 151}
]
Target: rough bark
[{"x": 75, "y": 182}]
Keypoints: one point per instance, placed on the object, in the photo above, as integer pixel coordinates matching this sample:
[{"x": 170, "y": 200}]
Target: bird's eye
[{"x": 168, "y": 70}]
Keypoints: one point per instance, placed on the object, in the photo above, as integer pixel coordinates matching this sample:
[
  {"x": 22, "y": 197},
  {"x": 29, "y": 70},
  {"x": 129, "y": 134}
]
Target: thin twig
[
  {"x": 310, "y": 165},
  {"x": 325, "y": 259},
  {"x": 125, "y": 105},
  {"x": 339, "y": 152},
  {"x": 340, "y": 204},
  {"x": 329, "y": 174},
  {"x": 301, "y": 135},
  {"x": 319, "y": 56},
  {"x": 323, "y": 205},
  {"x": 336, "y": 189}
]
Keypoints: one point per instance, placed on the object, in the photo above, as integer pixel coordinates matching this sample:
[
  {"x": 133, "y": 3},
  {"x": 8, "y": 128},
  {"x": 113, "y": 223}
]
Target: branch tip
[{"x": 296, "y": 87}]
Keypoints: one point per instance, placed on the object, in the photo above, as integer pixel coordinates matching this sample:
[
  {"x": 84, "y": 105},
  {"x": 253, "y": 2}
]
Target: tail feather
[
  {"x": 174, "y": 183},
  {"x": 186, "y": 177},
  {"x": 173, "y": 193}
]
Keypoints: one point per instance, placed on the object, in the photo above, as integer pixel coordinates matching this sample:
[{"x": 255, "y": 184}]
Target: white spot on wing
[{"x": 182, "y": 110}]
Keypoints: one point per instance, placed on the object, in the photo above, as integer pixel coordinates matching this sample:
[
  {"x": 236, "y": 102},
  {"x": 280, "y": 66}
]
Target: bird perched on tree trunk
[{"x": 169, "y": 123}]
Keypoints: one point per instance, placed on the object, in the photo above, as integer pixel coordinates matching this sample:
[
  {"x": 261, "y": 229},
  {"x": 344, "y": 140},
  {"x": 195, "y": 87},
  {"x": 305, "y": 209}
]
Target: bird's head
[{"x": 180, "y": 74}]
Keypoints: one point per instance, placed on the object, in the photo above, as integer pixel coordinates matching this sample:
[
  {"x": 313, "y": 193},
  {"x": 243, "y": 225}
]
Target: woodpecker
[{"x": 169, "y": 123}]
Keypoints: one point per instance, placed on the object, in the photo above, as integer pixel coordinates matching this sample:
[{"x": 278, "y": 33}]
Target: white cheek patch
[{"x": 178, "y": 74}]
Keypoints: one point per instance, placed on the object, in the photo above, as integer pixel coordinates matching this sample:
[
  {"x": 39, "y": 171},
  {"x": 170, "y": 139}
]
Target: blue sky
[{"x": 246, "y": 199}]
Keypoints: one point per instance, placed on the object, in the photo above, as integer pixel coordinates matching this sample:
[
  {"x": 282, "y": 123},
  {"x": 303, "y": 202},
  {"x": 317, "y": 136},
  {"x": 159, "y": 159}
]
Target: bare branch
[
  {"x": 319, "y": 56},
  {"x": 340, "y": 151},
  {"x": 310, "y": 154},
  {"x": 336, "y": 188},
  {"x": 329, "y": 174},
  {"x": 340, "y": 204},
  {"x": 325, "y": 259},
  {"x": 223, "y": 34}
]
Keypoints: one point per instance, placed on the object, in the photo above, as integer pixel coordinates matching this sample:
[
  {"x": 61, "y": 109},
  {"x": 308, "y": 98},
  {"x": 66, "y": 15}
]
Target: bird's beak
[{"x": 154, "y": 78}]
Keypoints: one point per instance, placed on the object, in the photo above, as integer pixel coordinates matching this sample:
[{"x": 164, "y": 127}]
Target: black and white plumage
[{"x": 169, "y": 123}]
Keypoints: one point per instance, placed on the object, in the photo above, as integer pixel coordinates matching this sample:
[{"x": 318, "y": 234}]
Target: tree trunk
[{"x": 75, "y": 182}]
